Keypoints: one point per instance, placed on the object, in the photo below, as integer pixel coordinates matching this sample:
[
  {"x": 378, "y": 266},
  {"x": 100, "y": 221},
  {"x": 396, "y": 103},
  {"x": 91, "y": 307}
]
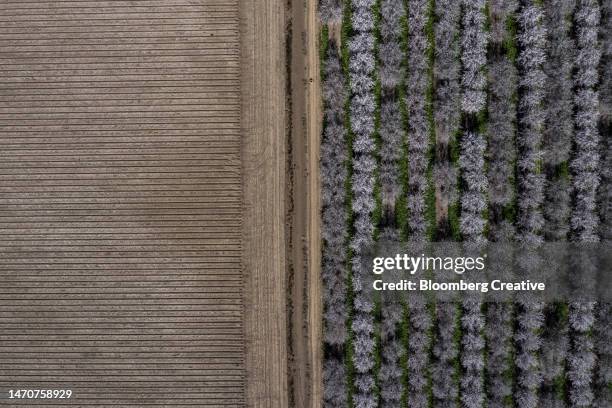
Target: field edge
[{"x": 263, "y": 80}]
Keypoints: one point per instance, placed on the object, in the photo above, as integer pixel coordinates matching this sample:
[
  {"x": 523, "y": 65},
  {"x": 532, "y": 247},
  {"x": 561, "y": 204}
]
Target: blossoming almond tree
[
  {"x": 501, "y": 133},
  {"x": 585, "y": 179},
  {"x": 330, "y": 11},
  {"x": 362, "y": 107},
  {"x": 447, "y": 111},
  {"x": 474, "y": 40},
  {"x": 391, "y": 134},
  {"x": 557, "y": 142},
  {"x": 334, "y": 227},
  {"x": 420, "y": 321},
  {"x": 532, "y": 83},
  {"x": 446, "y": 107},
  {"x": 516, "y": 102}
]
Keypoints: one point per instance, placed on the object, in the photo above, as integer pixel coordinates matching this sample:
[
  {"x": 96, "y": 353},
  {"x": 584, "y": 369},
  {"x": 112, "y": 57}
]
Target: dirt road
[
  {"x": 314, "y": 120},
  {"x": 263, "y": 157},
  {"x": 297, "y": 216},
  {"x": 304, "y": 208}
]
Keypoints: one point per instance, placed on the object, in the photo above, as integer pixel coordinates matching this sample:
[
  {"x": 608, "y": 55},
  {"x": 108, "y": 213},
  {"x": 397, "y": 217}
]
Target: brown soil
[
  {"x": 121, "y": 206},
  {"x": 144, "y": 219},
  {"x": 314, "y": 120},
  {"x": 282, "y": 125},
  {"x": 297, "y": 217},
  {"x": 303, "y": 218},
  {"x": 264, "y": 149}
]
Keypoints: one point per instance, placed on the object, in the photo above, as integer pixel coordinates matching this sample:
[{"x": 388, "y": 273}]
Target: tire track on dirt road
[
  {"x": 304, "y": 252},
  {"x": 264, "y": 157},
  {"x": 314, "y": 120}
]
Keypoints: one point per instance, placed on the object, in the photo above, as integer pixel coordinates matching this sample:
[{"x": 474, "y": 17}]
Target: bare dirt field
[
  {"x": 121, "y": 206},
  {"x": 159, "y": 202},
  {"x": 264, "y": 150}
]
